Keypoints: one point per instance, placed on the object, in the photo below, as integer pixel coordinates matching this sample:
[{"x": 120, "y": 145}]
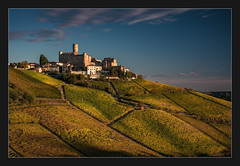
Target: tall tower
[{"x": 75, "y": 49}]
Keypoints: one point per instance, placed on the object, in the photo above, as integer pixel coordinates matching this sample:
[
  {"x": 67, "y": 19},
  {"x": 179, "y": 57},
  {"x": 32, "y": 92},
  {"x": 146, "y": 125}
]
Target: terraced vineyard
[
  {"x": 44, "y": 78},
  {"x": 31, "y": 85},
  {"x": 96, "y": 102},
  {"x": 86, "y": 122},
  {"x": 167, "y": 134},
  {"x": 45, "y": 130},
  {"x": 205, "y": 109}
]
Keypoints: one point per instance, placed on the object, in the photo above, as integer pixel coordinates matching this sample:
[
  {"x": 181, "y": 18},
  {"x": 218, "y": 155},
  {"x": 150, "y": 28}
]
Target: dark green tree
[{"x": 43, "y": 60}]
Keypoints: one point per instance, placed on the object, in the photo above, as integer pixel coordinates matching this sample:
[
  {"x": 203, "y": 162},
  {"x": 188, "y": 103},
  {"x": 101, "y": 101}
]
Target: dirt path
[
  {"x": 116, "y": 92},
  {"x": 121, "y": 117}
]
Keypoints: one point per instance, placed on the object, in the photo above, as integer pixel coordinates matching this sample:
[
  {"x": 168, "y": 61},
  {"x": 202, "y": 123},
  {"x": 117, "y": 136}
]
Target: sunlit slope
[
  {"x": 96, "y": 102},
  {"x": 31, "y": 85},
  {"x": 214, "y": 99},
  {"x": 133, "y": 91},
  {"x": 168, "y": 134},
  {"x": 44, "y": 78},
  {"x": 72, "y": 126},
  {"x": 209, "y": 110}
]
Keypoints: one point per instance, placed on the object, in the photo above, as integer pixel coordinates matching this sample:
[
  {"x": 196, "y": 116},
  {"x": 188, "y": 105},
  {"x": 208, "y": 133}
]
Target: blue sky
[{"x": 176, "y": 46}]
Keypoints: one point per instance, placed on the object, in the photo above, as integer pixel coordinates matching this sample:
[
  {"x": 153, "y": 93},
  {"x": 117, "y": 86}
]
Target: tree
[
  {"x": 140, "y": 77},
  {"x": 43, "y": 60},
  {"x": 24, "y": 64}
]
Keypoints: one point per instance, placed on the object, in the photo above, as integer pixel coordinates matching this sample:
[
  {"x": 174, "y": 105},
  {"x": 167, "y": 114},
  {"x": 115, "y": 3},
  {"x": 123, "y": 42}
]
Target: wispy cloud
[
  {"x": 181, "y": 74},
  {"x": 45, "y": 34},
  {"x": 107, "y": 30},
  {"x": 17, "y": 35},
  {"x": 39, "y": 35},
  {"x": 208, "y": 15},
  {"x": 188, "y": 74},
  {"x": 64, "y": 18},
  {"x": 203, "y": 83}
]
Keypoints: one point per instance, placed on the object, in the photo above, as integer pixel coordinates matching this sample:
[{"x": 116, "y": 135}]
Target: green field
[
  {"x": 32, "y": 86},
  {"x": 167, "y": 134},
  {"x": 96, "y": 102}
]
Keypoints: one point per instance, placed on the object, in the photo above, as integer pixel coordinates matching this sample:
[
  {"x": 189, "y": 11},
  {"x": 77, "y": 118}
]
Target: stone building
[
  {"x": 76, "y": 59},
  {"x": 108, "y": 63},
  {"x": 122, "y": 68}
]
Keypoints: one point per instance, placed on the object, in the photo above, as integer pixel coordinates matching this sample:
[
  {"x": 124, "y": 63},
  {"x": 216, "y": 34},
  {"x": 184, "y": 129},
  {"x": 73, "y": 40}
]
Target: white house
[{"x": 92, "y": 69}]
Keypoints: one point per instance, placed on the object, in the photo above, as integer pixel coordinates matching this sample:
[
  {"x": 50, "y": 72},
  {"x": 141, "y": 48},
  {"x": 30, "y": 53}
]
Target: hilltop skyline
[{"x": 189, "y": 48}]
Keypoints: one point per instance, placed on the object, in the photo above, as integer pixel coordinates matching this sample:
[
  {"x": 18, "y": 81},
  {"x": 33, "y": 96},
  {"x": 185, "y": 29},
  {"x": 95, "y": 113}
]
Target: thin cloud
[
  {"x": 188, "y": 74},
  {"x": 181, "y": 74},
  {"x": 107, "y": 30},
  {"x": 64, "y": 18},
  {"x": 39, "y": 35},
  {"x": 205, "y": 83},
  {"x": 17, "y": 35},
  {"x": 207, "y": 15},
  {"x": 44, "y": 34}
]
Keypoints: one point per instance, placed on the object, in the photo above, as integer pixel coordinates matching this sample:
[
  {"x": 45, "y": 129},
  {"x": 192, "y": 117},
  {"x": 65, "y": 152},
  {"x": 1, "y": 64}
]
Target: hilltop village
[{"x": 76, "y": 63}]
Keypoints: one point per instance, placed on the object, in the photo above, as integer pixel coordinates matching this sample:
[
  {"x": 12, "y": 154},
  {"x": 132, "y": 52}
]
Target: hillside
[
  {"x": 77, "y": 121},
  {"x": 31, "y": 85}
]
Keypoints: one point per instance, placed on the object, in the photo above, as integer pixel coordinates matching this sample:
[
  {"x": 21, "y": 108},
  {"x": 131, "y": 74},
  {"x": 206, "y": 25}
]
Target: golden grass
[
  {"x": 32, "y": 140},
  {"x": 85, "y": 133},
  {"x": 207, "y": 129},
  {"x": 201, "y": 107},
  {"x": 96, "y": 102},
  {"x": 158, "y": 101},
  {"x": 225, "y": 128},
  {"x": 167, "y": 134},
  {"x": 31, "y": 85},
  {"x": 44, "y": 78},
  {"x": 221, "y": 101}
]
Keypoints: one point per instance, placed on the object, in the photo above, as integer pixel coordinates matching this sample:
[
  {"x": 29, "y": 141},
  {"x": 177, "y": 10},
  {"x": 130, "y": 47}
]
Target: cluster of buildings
[{"x": 75, "y": 63}]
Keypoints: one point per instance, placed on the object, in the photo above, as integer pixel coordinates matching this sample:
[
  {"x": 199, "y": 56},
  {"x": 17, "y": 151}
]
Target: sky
[{"x": 183, "y": 47}]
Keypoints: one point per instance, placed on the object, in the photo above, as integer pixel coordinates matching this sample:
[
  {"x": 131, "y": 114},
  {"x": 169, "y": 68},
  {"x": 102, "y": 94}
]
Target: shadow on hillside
[{"x": 91, "y": 151}]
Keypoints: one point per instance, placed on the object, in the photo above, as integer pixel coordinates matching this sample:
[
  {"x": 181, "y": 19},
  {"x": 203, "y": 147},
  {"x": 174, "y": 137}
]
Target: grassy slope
[
  {"x": 211, "y": 131},
  {"x": 203, "y": 108},
  {"x": 31, "y": 85},
  {"x": 77, "y": 128},
  {"x": 129, "y": 88},
  {"x": 44, "y": 78},
  {"x": 96, "y": 102},
  {"x": 101, "y": 85},
  {"x": 167, "y": 134},
  {"x": 32, "y": 140},
  {"x": 102, "y": 106},
  {"x": 215, "y": 99}
]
